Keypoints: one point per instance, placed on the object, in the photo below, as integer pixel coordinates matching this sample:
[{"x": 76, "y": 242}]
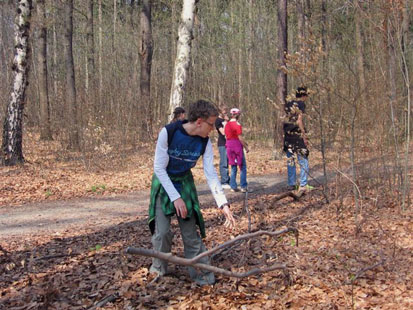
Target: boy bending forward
[{"x": 173, "y": 191}]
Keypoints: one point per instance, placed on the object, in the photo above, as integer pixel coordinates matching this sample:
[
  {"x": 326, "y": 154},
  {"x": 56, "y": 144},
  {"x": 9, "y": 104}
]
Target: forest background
[{"x": 355, "y": 57}]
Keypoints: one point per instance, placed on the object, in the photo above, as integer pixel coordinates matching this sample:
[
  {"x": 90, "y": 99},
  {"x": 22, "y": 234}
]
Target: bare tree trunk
[
  {"x": 353, "y": 166},
  {"x": 321, "y": 103},
  {"x": 74, "y": 139},
  {"x": 132, "y": 8},
  {"x": 406, "y": 78},
  {"x": 300, "y": 25},
  {"x": 173, "y": 31},
  {"x": 3, "y": 48},
  {"x": 281, "y": 81},
  {"x": 13, "y": 123},
  {"x": 115, "y": 13},
  {"x": 250, "y": 40},
  {"x": 145, "y": 55},
  {"x": 55, "y": 86},
  {"x": 360, "y": 57},
  {"x": 240, "y": 80},
  {"x": 391, "y": 71},
  {"x": 250, "y": 45},
  {"x": 45, "y": 130},
  {"x": 183, "y": 54},
  {"x": 100, "y": 86},
  {"x": 90, "y": 76}
]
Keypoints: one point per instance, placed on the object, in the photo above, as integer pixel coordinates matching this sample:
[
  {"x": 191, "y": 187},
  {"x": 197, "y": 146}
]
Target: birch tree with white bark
[
  {"x": 183, "y": 54},
  {"x": 13, "y": 122}
]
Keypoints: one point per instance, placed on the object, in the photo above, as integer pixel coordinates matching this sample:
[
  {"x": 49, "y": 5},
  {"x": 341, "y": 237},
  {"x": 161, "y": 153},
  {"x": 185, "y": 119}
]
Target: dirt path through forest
[{"x": 99, "y": 212}]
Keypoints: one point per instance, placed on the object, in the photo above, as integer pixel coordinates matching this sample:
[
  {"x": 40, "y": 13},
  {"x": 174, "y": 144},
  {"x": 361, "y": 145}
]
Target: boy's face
[{"x": 207, "y": 126}]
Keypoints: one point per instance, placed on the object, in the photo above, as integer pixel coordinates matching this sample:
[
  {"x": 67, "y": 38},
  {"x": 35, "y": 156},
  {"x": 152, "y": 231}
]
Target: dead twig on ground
[
  {"x": 104, "y": 301},
  {"x": 364, "y": 270},
  {"x": 194, "y": 261},
  {"x": 247, "y": 210}
]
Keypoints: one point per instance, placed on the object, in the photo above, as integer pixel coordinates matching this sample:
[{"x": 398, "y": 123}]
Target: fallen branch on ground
[
  {"x": 105, "y": 300},
  {"x": 194, "y": 261},
  {"x": 364, "y": 270},
  {"x": 288, "y": 194}
]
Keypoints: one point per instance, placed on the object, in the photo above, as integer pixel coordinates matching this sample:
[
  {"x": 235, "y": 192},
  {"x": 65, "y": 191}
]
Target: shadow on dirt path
[{"x": 100, "y": 212}]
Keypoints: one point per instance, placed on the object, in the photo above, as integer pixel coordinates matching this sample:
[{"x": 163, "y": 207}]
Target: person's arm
[
  {"x": 222, "y": 129},
  {"x": 220, "y": 125},
  {"x": 300, "y": 123},
  {"x": 159, "y": 166},
  {"x": 215, "y": 184}
]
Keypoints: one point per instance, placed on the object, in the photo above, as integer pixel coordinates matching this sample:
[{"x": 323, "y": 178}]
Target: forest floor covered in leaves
[{"x": 343, "y": 259}]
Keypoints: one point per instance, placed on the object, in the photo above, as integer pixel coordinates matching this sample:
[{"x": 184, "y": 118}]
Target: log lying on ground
[
  {"x": 295, "y": 196},
  {"x": 193, "y": 262}
]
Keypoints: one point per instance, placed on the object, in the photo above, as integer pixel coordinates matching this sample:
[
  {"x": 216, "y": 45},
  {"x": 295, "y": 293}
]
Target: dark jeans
[{"x": 223, "y": 165}]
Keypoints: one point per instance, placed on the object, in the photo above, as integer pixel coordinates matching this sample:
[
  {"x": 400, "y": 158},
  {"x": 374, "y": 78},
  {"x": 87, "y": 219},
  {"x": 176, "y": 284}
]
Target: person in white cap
[{"x": 235, "y": 150}]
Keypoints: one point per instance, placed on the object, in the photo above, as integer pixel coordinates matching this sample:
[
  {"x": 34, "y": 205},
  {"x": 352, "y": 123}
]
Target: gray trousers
[{"x": 193, "y": 245}]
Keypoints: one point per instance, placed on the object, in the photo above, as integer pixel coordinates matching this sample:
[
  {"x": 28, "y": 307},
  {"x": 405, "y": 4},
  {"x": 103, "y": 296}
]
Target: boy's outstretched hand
[{"x": 229, "y": 219}]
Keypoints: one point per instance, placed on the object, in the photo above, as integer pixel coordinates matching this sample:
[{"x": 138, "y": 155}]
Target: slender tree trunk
[
  {"x": 131, "y": 10},
  {"x": 183, "y": 54},
  {"x": 406, "y": 78},
  {"x": 353, "y": 166},
  {"x": 300, "y": 26},
  {"x": 391, "y": 73},
  {"x": 45, "y": 130},
  {"x": 55, "y": 86},
  {"x": 90, "y": 51},
  {"x": 74, "y": 139},
  {"x": 241, "y": 42},
  {"x": 13, "y": 124},
  {"x": 250, "y": 40},
  {"x": 3, "y": 47},
  {"x": 249, "y": 44},
  {"x": 281, "y": 81},
  {"x": 100, "y": 86},
  {"x": 173, "y": 31},
  {"x": 240, "y": 80},
  {"x": 360, "y": 57},
  {"x": 145, "y": 55},
  {"x": 321, "y": 103},
  {"x": 115, "y": 14}
]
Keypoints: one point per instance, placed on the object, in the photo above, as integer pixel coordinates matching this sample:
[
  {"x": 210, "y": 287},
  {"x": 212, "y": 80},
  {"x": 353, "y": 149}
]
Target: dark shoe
[{"x": 291, "y": 188}]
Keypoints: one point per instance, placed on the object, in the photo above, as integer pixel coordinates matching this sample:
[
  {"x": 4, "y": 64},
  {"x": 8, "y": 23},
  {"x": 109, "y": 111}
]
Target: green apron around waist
[{"x": 188, "y": 194}]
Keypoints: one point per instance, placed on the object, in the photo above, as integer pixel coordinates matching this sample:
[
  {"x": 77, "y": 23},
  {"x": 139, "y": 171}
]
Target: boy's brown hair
[{"x": 201, "y": 109}]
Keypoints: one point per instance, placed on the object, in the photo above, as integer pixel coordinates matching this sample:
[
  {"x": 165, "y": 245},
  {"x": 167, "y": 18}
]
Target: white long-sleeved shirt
[{"x": 161, "y": 162}]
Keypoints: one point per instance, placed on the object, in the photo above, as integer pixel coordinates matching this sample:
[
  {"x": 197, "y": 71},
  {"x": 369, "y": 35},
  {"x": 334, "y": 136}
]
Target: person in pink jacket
[{"x": 235, "y": 151}]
